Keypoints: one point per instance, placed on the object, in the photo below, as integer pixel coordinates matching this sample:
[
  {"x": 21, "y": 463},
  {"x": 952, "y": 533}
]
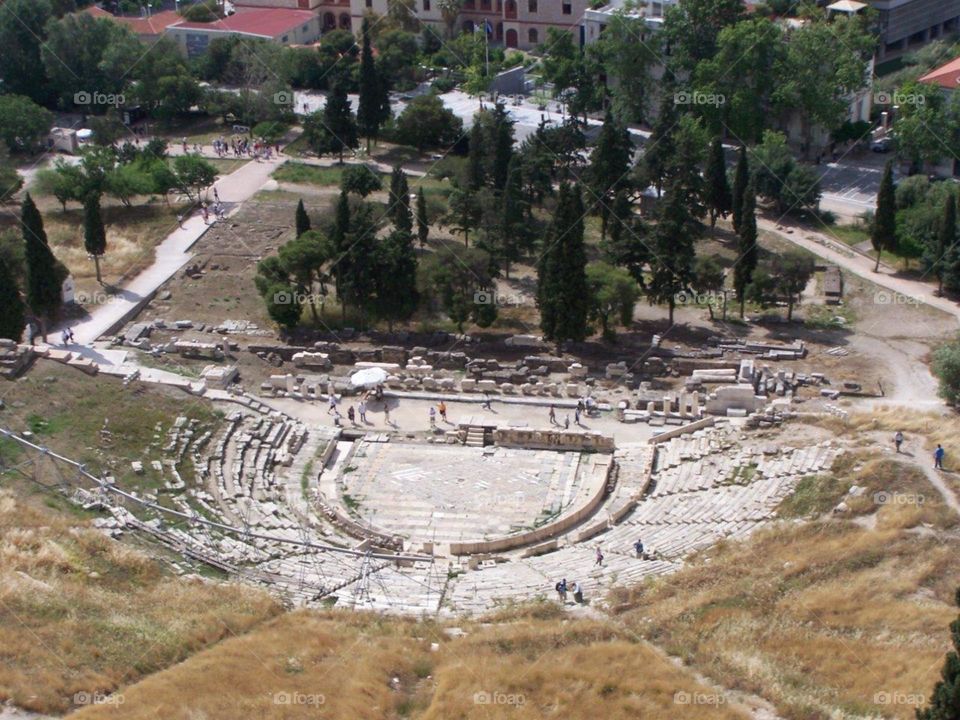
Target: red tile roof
[
  {"x": 97, "y": 12},
  {"x": 262, "y": 22},
  {"x": 946, "y": 76},
  {"x": 153, "y": 25}
]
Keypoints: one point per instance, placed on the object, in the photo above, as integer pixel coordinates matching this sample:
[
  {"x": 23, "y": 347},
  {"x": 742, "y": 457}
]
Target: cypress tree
[
  {"x": 719, "y": 198},
  {"x": 883, "y": 235},
  {"x": 94, "y": 234},
  {"x": 747, "y": 250},
  {"x": 12, "y": 315},
  {"x": 562, "y": 292},
  {"x": 513, "y": 226},
  {"x": 44, "y": 275},
  {"x": 673, "y": 252},
  {"x": 502, "y": 142},
  {"x": 660, "y": 147},
  {"x": 945, "y": 702},
  {"x": 946, "y": 238},
  {"x": 302, "y": 219},
  {"x": 340, "y": 121},
  {"x": 740, "y": 181},
  {"x": 369, "y": 106},
  {"x": 400, "y": 201},
  {"x": 338, "y": 239},
  {"x": 475, "y": 172},
  {"x": 423, "y": 220}
]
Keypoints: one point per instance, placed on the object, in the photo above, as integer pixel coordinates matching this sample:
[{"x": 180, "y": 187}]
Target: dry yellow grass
[
  {"x": 358, "y": 666},
  {"x": 80, "y": 613},
  {"x": 826, "y": 619}
]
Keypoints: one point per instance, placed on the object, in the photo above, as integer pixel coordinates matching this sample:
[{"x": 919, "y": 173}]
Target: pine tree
[
  {"x": 719, "y": 199},
  {"x": 339, "y": 121},
  {"x": 562, "y": 292},
  {"x": 45, "y": 275},
  {"x": 423, "y": 220},
  {"x": 12, "y": 315},
  {"x": 339, "y": 232},
  {"x": 659, "y": 148},
  {"x": 883, "y": 235},
  {"x": 609, "y": 166},
  {"x": 400, "y": 201},
  {"x": 946, "y": 240},
  {"x": 747, "y": 250},
  {"x": 396, "y": 277},
  {"x": 302, "y": 219},
  {"x": 369, "y": 106},
  {"x": 94, "y": 234},
  {"x": 740, "y": 181},
  {"x": 945, "y": 702}
]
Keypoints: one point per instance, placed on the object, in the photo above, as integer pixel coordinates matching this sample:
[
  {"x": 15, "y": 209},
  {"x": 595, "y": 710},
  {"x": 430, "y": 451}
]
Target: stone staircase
[{"x": 478, "y": 436}]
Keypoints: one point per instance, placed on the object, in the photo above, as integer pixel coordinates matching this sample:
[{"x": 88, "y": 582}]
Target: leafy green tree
[
  {"x": 450, "y": 12},
  {"x": 45, "y": 275},
  {"x": 355, "y": 264},
  {"x": 452, "y": 286},
  {"x": 164, "y": 86},
  {"x": 476, "y": 174},
  {"x": 501, "y": 140},
  {"x": 741, "y": 180},
  {"x": 426, "y": 123},
  {"x": 360, "y": 180},
  {"x": 125, "y": 182},
  {"x": 194, "y": 174},
  {"x": 301, "y": 219},
  {"x": 94, "y": 233},
  {"x": 691, "y": 29},
  {"x": 423, "y": 219},
  {"x": 753, "y": 48},
  {"x": 22, "y": 33},
  {"x": 302, "y": 260},
  {"x": 883, "y": 234},
  {"x": 718, "y": 197},
  {"x": 945, "y": 702},
  {"x": 925, "y": 127},
  {"x": 947, "y": 257},
  {"x": 562, "y": 294},
  {"x": 683, "y": 169},
  {"x": 24, "y": 125},
  {"x": 778, "y": 176},
  {"x": 608, "y": 172},
  {"x": 946, "y": 366},
  {"x": 748, "y": 253},
  {"x": 631, "y": 63},
  {"x": 708, "y": 279},
  {"x": 791, "y": 271},
  {"x": 824, "y": 63},
  {"x": 613, "y": 293},
  {"x": 10, "y": 180},
  {"x": 12, "y": 314},
  {"x": 465, "y": 211}
]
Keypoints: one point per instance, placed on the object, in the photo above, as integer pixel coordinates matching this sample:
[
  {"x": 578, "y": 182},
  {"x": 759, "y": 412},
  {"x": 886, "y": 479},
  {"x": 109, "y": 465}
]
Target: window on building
[
  {"x": 532, "y": 5},
  {"x": 469, "y": 4},
  {"x": 567, "y": 8},
  {"x": 369, "y": 3},
  {"x": 284, "y": 39},
  {"x": 485, "y": 4},
  {"x": 426, "y": 5},
  {"x": 533, "y": 36}
]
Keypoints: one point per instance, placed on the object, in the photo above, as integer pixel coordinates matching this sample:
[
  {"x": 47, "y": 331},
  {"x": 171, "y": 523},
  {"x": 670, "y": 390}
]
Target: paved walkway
[
  {"x": 861, "y": 265},
  {"x": 171, "y": 255}
]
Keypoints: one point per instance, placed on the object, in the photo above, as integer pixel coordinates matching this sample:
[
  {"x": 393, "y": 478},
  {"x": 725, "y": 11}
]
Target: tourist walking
[
  {"x": 442, "y": 408},
  {"x": 553, "y": 415},
  {"x": 938, "y": 457},
  {"x": 561, "y": 588},
  {"x": 638, "y": 547},
  {"x": 363, "y": 411},
  {"x": 576, "y": 415},
  {"x": 331, "y": 408},
  {"x": 577, "y": 592},
  {"x": 898, "y": 440},
  {"x": 599, "y": 562},
  {"x": 351, "y": 415},
  {"x": 386, "y": 414},
  {"x": 336, "y": 418},
  {"x": 566, "y": 421},
  {"x": 486, "y": 403},
  {"x": 433, "y": 417}
]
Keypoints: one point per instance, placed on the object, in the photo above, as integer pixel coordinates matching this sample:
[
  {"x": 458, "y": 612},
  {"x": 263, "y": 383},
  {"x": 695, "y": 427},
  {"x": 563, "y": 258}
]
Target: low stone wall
[
  {"x": 558, "y": 527},
  {"x": 552, "y": 440}
]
